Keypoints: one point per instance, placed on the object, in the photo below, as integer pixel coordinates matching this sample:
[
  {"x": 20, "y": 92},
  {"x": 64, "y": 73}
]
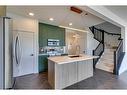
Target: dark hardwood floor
[
  {"x": 32, "y": 81},
  {"x": 100, "y": 80}
]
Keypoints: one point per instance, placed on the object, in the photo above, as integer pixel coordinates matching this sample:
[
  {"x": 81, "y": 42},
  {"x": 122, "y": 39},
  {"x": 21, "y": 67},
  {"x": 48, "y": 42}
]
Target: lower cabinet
[
  {"x": 66, "y": 74},
  {"x": 84, "y": 69},
  {"x": 43, "y": 63}
]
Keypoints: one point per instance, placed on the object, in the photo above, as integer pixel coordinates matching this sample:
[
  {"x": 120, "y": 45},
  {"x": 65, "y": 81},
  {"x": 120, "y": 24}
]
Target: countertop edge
[{"x": 71, "y": 59}]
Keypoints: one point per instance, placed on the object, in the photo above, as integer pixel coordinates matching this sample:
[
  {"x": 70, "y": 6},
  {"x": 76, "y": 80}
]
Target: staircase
[
  {"x": 106, "y": 62},
  {"x": 110, "y": 57}
]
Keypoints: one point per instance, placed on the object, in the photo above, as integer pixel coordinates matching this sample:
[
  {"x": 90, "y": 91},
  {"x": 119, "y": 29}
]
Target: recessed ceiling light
[
  {"x": 51, "y": 19},
  {"x": 31, "y": 14},
  {"x": 70, "y": 24}
]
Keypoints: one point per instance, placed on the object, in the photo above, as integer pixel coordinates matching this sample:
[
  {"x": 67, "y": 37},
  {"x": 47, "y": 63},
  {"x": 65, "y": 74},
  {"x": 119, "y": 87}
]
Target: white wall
[
  {"x": 123, "y": 37},
  {"x": 123, "y": 65},
  {"x": 8, "y": 53},
  {"x": 91, "y": 42},
  {"x": 2, "y": 10},
  {"x": 24, "y": 23},
  {"x": 82, "y": 40},
  {"x": 124, "y": 61},
  {"x": 104, "y": 13},
  {"x": 109, "y": 27},
  {"x": 21, "y": 23},
  {"x": 1, "y": 56},
  {"x": 87, "y": 42},
  {"x": 111, "y": 39}
]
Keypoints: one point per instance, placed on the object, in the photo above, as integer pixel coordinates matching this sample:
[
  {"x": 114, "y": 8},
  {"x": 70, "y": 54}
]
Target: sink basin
[{"x": 73, "y": 56}]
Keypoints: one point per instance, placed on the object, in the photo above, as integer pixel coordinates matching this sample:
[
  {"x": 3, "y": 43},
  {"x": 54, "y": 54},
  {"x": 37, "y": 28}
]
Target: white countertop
[{"x": 67, "y": 59}]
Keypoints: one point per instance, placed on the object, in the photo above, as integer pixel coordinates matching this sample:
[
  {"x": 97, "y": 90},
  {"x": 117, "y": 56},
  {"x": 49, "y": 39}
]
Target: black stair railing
[
  {"x": 118, "y": 57},
  {"x": 99, "y": 36},
  {"x": 118, "y": 53},
  {"x": 98, "y": 52}
]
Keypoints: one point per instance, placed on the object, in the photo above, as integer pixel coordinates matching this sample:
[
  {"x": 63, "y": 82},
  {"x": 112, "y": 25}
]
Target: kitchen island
[{"x": 64, "y": 71}]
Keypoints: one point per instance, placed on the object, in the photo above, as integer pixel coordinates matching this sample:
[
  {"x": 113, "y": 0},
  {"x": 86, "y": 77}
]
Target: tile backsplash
[{"x": 48, "y": 49}]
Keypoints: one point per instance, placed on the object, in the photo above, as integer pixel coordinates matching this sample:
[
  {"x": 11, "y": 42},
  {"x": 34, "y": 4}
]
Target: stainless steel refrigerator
[{"x": 6, "y": 53}]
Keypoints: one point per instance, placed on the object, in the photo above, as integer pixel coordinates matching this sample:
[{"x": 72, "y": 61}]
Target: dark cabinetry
[
  {"x": 43, "y": 63},
  {"x": 46, "y": 32},
  {"x": 50, "y": 32}
]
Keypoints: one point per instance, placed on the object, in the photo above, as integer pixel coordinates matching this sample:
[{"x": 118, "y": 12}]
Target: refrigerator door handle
[
  {"x": 16, "y": 57},
  {"x": 20, "y": 51}
]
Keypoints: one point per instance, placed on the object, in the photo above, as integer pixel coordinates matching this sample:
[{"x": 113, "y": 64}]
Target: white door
[{"x": 24, "y": 53}]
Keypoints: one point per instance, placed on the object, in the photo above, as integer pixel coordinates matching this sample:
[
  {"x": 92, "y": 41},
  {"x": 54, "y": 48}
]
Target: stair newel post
[
  {"x": 103, "y": 40},
  {"x": 118, "y": 57},
  {"x": 115, "y": 66},
  {"x": 93, "y": 60}
]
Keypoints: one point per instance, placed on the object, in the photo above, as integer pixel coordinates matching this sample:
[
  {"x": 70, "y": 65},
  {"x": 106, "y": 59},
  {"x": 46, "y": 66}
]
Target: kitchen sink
[{"x": 73, "y": 56}]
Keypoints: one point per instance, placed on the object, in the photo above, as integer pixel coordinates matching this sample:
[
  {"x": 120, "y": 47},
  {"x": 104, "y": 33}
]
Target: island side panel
[
  {"x": 85, "y": 69},
  {"x": 51, "y": 73},
  {"x": 89, "y": 68},
  {"x": 72, "y": 73},
  {"x": 65, "y": 75}
]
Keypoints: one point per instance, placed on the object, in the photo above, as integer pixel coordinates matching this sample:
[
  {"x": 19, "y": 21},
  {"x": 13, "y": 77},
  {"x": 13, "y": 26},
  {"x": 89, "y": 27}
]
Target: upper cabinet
[{"x": 47, "y": 31}]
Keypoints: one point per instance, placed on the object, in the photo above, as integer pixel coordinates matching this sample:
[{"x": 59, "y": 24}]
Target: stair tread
[
  {"x": 107, "y": 56},
  {"x": 102, "y": 63},
  {"x": 108, "y": 52},
  {"x": 108, "y": 67},
  {"x": 105, "y": 68},
  {"x": 106, "y": 62}
]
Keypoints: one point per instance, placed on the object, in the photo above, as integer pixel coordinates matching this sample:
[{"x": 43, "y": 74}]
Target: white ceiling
[
  {"x": 61, "y": 14},
  {"x": 120, "y": 11}
]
